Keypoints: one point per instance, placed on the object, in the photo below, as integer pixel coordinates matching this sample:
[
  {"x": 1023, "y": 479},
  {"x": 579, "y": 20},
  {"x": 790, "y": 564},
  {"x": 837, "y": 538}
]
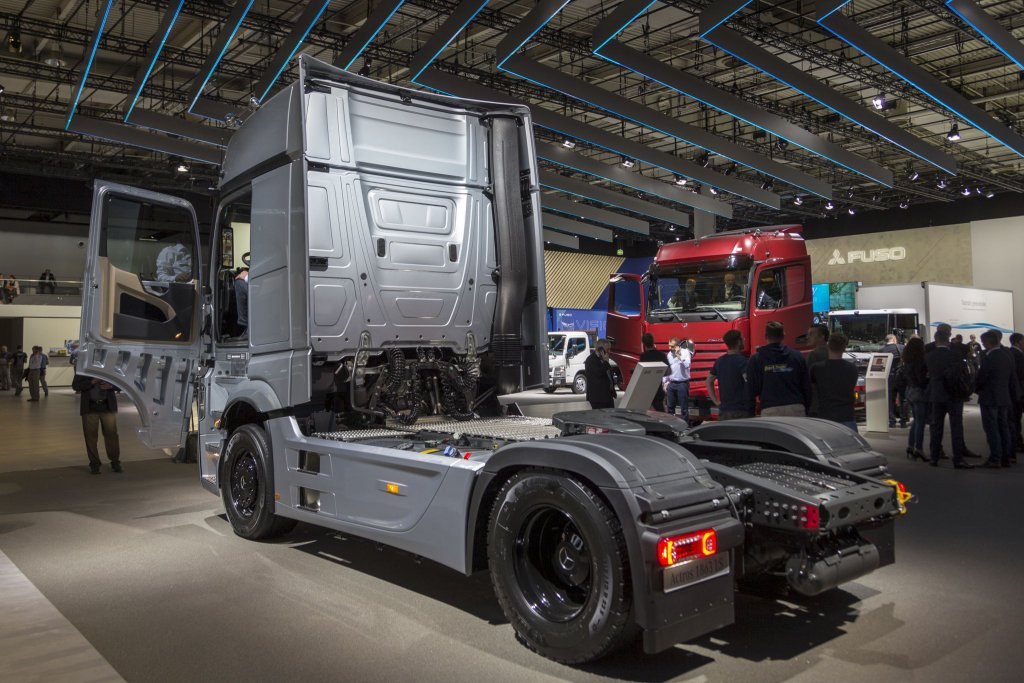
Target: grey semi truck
[{"x": 372, "y": 282}]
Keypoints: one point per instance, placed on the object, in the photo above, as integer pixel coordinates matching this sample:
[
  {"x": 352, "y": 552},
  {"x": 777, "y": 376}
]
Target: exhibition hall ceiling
[{"x": 771, "y": 112}]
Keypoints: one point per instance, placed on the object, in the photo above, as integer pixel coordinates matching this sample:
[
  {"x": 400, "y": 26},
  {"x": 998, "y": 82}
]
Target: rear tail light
[
  {"x": 674, "y": 549},
  {"x": 597, "y": 430},
  {"x": 810, "y": 518}
]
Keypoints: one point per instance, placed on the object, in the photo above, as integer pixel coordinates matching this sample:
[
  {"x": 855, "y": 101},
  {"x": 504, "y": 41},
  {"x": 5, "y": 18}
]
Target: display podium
[{"x": 876, "y": 392}]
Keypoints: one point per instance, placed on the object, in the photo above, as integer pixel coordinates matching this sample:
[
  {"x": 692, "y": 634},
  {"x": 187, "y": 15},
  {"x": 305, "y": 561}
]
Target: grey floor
[{"x": 145, "y": 568}]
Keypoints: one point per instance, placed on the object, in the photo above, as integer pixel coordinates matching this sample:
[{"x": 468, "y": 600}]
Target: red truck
[{"x": 700, "y": 289}]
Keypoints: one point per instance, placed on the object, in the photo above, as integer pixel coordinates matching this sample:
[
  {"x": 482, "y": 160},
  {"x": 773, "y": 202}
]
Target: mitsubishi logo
[{"x": 837, "y": 259}]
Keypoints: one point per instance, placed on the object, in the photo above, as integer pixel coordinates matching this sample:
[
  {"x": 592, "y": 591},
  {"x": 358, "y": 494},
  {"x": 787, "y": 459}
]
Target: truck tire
[
  {"x": 549, "y": 390},
  {"x": 247, "y": 485},
  {"x": 560, "y": 567},
  {"x": 579, "y": 383}
]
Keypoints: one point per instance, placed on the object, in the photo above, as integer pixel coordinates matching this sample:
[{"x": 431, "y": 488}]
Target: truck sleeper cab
[
  {"x": 394, "y": 287},
  {"x": 699, "y": 289}
]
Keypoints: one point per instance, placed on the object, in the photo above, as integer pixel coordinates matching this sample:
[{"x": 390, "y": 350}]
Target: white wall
[
  {"x": 26, "y": 250},
  {"x": 47, "y": 326},
  {"x": 997, "y": 256}
]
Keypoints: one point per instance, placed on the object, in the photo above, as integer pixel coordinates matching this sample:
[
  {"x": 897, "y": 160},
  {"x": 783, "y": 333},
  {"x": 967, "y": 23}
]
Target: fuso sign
[{"x": 869, "y": 256}]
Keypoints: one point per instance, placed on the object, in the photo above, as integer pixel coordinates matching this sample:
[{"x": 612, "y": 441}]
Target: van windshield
[
  {"x": 864, "y": 332},
  {"x": 719, "y": 287},
  {"x": 556, "y": 344}
]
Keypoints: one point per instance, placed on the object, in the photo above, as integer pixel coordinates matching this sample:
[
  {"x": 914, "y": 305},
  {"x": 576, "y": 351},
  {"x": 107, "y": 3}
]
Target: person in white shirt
[
  {"x": 174, "y": 264},
  {"x": 35, "y": 365},
  {"x": 677, "y": 391}
]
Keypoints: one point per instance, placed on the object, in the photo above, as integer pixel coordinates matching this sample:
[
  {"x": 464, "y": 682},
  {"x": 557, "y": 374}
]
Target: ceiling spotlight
[
  {"x": 874, "y": 197},
  {"x": 568, "y": 144},
  {"x": 942, "y": 184},
  {"x": 680, "y": 180},
  {"x": 849, "y": 194},
  {"x": 14, "y": 41},
  {"x": 671, "y": 228},
  {"x": 966, "y": 191},
  {"x": 704, "y": 159},
  {"x": 878, "y": 102},
  {"x": 768, "y": 184},
  {"x": 729, "y": 170},
  {"x": 783, "y": 145},
  {"x": 712, "y": 190},
  {"x": 798, "y": 200},
  {"x": 2, "y": 89},
  {"x": 182, "y": 168},
  {"x": 954, "y": 133},
  {"x": 851, "y": 211},
  {"x": 904, "y": 204},
  {"x": 829, "y": 205},
  {"x": 989, "y": 194},
  {"x": 913, "y": 175},
  {"x": 628, "y": 163}
]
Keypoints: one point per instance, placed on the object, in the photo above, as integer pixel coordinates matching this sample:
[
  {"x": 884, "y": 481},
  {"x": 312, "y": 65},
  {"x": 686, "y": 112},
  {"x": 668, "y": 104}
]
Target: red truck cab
[{"x": 699, "y": 289}]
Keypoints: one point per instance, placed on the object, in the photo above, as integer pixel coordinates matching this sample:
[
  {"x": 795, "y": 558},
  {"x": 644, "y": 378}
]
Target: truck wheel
[
  {"x": 560, "y": 567},
  {"x": 549, "y": 390},
  {"x": 579, "y": 384},
  {"x": 247, "y": 485}
]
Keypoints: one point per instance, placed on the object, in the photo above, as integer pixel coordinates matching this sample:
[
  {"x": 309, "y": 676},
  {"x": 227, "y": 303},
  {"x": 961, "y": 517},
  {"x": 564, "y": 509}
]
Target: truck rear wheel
[
  {"x": 247, "y": 485},
  {"x": 559, "y": 566},
  {"x": 579, "y": 384}
]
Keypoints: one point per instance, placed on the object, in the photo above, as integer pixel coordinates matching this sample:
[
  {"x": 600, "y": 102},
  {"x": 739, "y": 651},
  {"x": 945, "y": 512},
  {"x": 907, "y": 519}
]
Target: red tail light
[
  {"x": 811, "y": 518},
  {"x": 674, "y": 549}
]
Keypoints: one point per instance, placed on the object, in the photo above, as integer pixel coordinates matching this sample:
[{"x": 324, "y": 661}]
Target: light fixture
[
  {"x": 712, "y": 190},
  {"x": 628, "y": 163},
  {"x": 798, "y": 200},
  {"x": 704, "y": 159},
  {"x": 954, "y": 133},
  {"x": 768, "y": 184},
  {"x": 989, "y": 194},
  {"x": 829, "y": 205},
  {"x": 942, "y": 184},
  {"x": 851, "y": 211},
  {"x": 878, "y": 101},
  {"x": 182, "y": 168},
  {"x": 14, "y": 41},
  {"x": 849, "y": 193},
  {"x": 730, "y": 169},
  {"x": 680, "y": 180},
  {"x": 966, "y": 191},
  {"x": 2, "y": 89},
  {"x": 783, "y": 145},
  {"x": 568, "y": 144},
  {"x": 671, "y": 228},
  {"x": 904, "y": 204},
  {"x": 913, "y": 175},
  {"x": 874, "y": 197},
  {"x": 53, "y": 58}
]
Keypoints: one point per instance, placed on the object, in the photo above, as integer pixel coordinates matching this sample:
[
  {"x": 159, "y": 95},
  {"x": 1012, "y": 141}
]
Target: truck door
[
  {"x": 782, "y": 292},
  {"x": 625, "y": 320},
  {"x": 141, "y": 305}
]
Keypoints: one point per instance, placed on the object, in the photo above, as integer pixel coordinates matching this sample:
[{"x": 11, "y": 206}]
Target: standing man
[
  {"x": 895, "y": 349},
  {"x": 5, "y": 374},
  {"x": 35, "y": 363},
  {"x": 778, "y": 375},
  {"x": 1017, "y": 348},
  {"x": 17, "y": 362},
  {"x": 817, "y": 337},
  {"x": 836, "y": 380},
  {"x": 98, "y": 409},
  {"x": 598, "y": 371},
  {"x": 44, "y": 361},
  {"x": 678, "y": 389},
  {"x": 941, "y": 403},
  {"x": 997, "y": 392},
  {"x": 653, "y": 355},
  {"x": 730, "y": 370}
]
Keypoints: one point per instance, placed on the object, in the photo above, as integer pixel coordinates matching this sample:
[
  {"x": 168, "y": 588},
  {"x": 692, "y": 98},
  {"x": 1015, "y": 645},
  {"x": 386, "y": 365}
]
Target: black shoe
[
  {"x": 94, "y": 469},
  {"x": 31, "y": 399},
  {"x": 991, "y": 464},
  {"x": 961, "y": 465},
  {"x": 116, "y": 467},
  {"x": 903, "y": 425},
  {"x": 970, "y": 454}
]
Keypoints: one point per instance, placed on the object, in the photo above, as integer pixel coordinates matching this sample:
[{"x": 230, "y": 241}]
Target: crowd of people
[
  {"x": 10, "y": 287},
  {"x": 18, "y": 369},
  {"x": 928, "y": 385}
]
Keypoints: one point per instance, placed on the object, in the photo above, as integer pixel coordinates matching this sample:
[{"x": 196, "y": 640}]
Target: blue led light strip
[
  {"x": 224, "y": 38},
  {"x": 464, "y": 13},
  {"x": 746, "y": 51},
  {"x": 377, "y": 20},
  {"x": 163, "y": 33},
  {"x": 618, "y": 53},
  {"x": 612, "y": 198},
  {"x": 848, "y": 30},
  {"x": 303, "y": 25},
  {"x": 94, "y": 43},
  {"x": 991, "y": 29}
]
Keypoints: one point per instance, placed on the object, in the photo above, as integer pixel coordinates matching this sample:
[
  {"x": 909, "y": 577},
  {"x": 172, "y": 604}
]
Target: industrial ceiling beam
[
  {"x": 286, "y": 50},
  {"x": 992, "y": 30},
  {"x": 618, "y": 200},
  {"x": 378, "y": 18},
  {"x": 557, "y": 222},
  {"x": 227, "y": 33},
  {"x": 552, "y": 237},
  {"x": 592, "y": 213}
]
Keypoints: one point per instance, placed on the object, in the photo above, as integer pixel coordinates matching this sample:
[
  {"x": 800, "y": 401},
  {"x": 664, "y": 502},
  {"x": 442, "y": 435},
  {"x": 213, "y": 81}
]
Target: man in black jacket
[
  {"x": 98, "y": 408},
  {"x": 778, "y": 375},
  {"x": 598, "y": 371},
  {"x": 894, "y": 348},
  {"x": 997, "y": 392},
  {"x": 1017, "y": 348},
  {"x": 941, "y": 403}
]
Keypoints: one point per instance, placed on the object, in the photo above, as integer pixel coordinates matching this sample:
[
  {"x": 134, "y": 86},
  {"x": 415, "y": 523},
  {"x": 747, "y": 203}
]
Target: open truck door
[
  {"x": 626, "y": 306},
  {"x": 141, "y": 304}
]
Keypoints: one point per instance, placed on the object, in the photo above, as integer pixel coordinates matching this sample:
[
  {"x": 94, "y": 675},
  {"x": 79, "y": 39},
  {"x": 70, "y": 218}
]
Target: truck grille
[{"x": 704, "y": 356}]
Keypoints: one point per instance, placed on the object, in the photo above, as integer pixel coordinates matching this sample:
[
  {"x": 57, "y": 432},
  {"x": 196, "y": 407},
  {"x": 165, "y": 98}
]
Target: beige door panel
[{"x": 117, "y": 282}]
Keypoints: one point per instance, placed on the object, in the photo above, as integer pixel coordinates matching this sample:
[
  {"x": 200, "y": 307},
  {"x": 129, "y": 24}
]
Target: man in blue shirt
[
  {"x": 778, "y": 375},
  {"x": 730, "y": 370},
  {"x": 678, "y": 390}
]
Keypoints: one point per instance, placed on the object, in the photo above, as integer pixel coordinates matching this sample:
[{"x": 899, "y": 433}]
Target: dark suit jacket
[
  {"x": 937, "y": 362},
  {"x": 997, "y": 379},
  {"x": 599, "y": 381},
  {"x": 107, "y": 402},
  {"x": 1018, "y": 363}
]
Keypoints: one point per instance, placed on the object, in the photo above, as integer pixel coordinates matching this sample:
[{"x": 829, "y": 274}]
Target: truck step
[{"x": 797, "y": 478}]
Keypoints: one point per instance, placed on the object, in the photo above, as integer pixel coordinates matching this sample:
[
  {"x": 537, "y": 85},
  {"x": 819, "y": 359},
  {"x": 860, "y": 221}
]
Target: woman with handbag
[{"x": 915, "y": 374}]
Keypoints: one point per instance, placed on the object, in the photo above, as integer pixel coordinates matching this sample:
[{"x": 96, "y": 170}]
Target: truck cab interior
[{"x": 232, "y": 264}]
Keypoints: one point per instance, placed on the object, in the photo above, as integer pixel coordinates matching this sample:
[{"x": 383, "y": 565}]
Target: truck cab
[
  {"x": 568, "y": 351},
  {"x": 867, "y": 329},
  {"x": 699, "y": 289}
]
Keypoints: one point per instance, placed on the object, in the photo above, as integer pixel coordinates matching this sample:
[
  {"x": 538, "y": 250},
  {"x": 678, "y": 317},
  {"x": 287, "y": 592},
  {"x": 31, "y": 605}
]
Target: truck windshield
[
  {"x": 865, "y": 331},
  {"x": 556, "y": 344},
  {"x": 719, "y": 287}
]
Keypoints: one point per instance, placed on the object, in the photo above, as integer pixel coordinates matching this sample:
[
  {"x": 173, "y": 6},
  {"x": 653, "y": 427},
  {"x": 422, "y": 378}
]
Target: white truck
[
  {"x": 568, "y": 351},
  {"x": 968, "y": 310},
  {"x": 395, "y": 288}
]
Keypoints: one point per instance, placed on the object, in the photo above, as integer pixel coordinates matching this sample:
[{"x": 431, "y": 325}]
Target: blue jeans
[
  {"x": 939, "y": 410},
  {"x": 678, "y": 394},
  {"x": 995, "y": 420},
  {"x": 915, "y": 439}
]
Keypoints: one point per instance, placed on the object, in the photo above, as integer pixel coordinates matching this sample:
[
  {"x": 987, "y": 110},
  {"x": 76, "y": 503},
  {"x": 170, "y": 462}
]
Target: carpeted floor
[{"x": 146, "y": 568}]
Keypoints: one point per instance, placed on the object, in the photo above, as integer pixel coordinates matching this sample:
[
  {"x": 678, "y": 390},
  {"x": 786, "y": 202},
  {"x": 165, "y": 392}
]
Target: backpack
[{"x": 959, "y": 380}]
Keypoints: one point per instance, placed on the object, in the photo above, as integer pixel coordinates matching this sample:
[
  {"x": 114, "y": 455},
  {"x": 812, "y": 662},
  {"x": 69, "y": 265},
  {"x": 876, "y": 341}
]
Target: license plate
[{"x": 695, "y": 571}]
